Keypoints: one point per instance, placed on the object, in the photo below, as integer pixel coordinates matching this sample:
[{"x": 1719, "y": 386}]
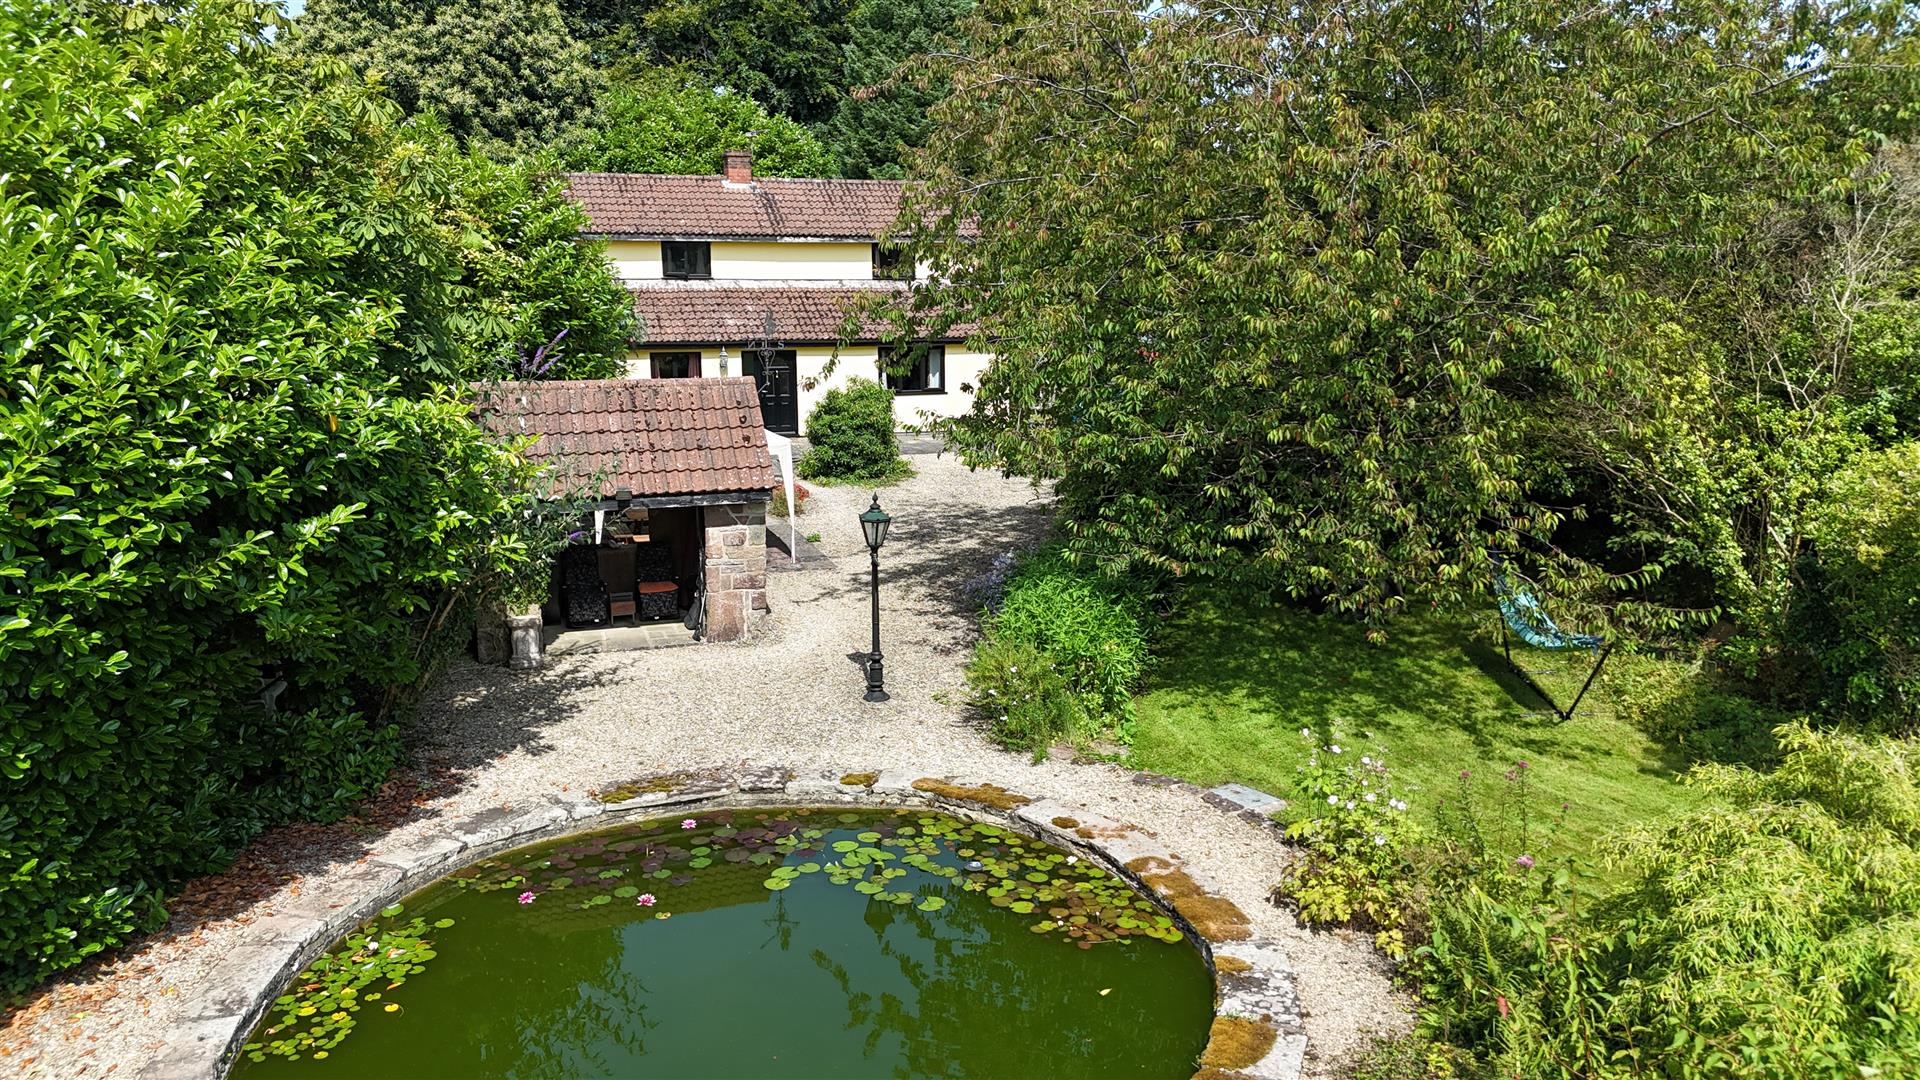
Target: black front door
[{"x": 773, "y": 370}]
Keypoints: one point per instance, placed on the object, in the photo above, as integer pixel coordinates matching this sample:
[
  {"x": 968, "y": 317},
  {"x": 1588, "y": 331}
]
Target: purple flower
[
  {"x": 526, "y": 897},
  {"x": 1524, "y": 862},
  {"x": 1464, "y": 774}
]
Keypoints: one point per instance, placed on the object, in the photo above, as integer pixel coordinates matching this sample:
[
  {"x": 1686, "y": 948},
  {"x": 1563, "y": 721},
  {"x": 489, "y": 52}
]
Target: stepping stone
[{"x": 1253, "y": 799}]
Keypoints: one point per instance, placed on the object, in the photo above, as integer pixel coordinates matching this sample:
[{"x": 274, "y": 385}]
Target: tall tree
[
  {"x": 506, "y": 73},
  {"x": 668, "y": 122},
  {"x": 243, "y": 502},
  {"x": 884, "y": 110},
  {"x": 785, "y": 54},
  {"x": 1307, "y": 294}
]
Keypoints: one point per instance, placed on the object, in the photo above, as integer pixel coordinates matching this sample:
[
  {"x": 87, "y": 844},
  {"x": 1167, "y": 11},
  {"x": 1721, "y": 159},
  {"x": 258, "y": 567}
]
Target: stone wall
[{"x": 735, "y": 569}]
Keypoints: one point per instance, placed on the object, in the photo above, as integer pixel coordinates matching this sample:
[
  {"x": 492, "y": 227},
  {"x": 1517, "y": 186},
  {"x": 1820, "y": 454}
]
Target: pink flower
[
  {"x": 1524, "y": 862},
  {"x": 646, "y": 900},
  {"x": 689, "y": 824},
  {"x": 526, "y": 897}
]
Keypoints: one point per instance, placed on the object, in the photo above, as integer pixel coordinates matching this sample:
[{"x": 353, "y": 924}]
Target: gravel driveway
[{"x": 793, "y": 698}]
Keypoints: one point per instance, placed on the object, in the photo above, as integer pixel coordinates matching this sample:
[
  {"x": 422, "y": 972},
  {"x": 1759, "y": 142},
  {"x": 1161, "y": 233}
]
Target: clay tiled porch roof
[{"x": 654, "y": 437}]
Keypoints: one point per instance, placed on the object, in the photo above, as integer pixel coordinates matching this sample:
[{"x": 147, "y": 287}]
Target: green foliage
[
  {"x": 319, "y": 1013},
  {"x": 1769, "y": 934},
  {"x": 1024, "y": 695},
  {"x": 1858, "y": 611},
  {"x": 499, "y": 74},
  {"x": 1356, "y": 838},
  {"x": 1693, "y": 709},
  {"x": 535, "y": 300},
  {"x": 1085, "y": 632},
  {"x": 850, "y": 435},
  {"x": 884, "y": 113},
  {"x": 1430, "y": 282},
  {"x": 666, "y": 124},
  {"x": 784, "y": 54},
  {"x": 222, "y": 295}
]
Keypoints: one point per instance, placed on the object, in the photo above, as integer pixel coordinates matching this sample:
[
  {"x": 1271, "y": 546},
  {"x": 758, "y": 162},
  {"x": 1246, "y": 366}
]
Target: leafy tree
[
  {"x": 667, "y": 124},
  {"x": 884, "y": 109},
  {"x": 1337, "y": 296},
  {"x": 1856, "y": 616},
  {"x": 784, "y": 54},
  {"x": 534, "y": 299},
  {"x": 508, "y": 73},
  {"x": 240, "y": 513}
]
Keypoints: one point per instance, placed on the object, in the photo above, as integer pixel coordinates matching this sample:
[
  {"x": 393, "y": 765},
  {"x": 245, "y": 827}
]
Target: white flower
[
  {"x": 1379, "y": 841},
  {"x": 1012, "y": 669},
  {"x": 1306, "y": 731},
  {"x": 1349, "y": 804},
  {"x": 1071, "y": 859},
  {"x": 1334, "y": 748},
  {"x": 1365, "y": 760},
  {"x": 1369, "y": 796},
  {"x": 1333, "y": 800}
]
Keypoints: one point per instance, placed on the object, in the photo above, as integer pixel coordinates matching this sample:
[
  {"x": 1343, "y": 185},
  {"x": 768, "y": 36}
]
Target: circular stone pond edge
[{"x": 1256, "y": 1032}]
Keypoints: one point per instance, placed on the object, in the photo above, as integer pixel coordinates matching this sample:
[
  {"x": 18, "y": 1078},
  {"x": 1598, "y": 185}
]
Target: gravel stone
[{"x": 789, "y": 699}]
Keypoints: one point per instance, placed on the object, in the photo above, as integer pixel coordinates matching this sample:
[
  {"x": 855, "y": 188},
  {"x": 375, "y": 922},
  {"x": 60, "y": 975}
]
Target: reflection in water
[{"x": 809, "y": 979}]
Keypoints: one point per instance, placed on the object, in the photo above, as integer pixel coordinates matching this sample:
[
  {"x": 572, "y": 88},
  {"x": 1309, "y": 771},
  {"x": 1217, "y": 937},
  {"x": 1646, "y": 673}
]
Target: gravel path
[{"x": 791, "y": 698}]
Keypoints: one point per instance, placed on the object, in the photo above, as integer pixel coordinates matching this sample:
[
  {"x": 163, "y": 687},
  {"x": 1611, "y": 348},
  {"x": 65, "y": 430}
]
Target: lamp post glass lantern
[{"x": 874, "y": 522}]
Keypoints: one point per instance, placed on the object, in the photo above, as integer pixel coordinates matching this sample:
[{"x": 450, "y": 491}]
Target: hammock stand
[{"x": 1522, "y": 616}]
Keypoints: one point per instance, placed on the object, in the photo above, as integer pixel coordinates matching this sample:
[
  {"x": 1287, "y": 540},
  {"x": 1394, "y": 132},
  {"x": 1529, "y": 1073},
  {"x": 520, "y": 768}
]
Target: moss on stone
[
  {"x": 660, "y": 784},
  {"x": 990, "y": 795},
  {"x": 859, "y": 779},
  {"x": 1236, "y": 1042},
  {"x": 1231, "y": 964},
  {"x": 1215, "y": 917},
  {"x": 1220, "y": 1074},
  {"x": 1066, "y": 823}
]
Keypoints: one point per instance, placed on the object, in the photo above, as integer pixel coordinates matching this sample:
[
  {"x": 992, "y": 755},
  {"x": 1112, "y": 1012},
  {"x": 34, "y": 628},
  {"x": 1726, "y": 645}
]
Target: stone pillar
[
  {"x": 735, "y": 569},
  {"x": 528, "y": 649}
]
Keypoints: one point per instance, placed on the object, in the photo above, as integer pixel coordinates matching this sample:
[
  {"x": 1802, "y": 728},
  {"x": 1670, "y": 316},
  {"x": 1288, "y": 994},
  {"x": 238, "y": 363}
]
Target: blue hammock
[{"x": 1522, "y": 615}]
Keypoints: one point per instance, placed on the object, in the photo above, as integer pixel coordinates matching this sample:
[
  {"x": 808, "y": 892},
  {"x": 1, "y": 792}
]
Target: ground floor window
[
  {"x": 676, "y": 365},
  {"x": 919, "y": 369}
]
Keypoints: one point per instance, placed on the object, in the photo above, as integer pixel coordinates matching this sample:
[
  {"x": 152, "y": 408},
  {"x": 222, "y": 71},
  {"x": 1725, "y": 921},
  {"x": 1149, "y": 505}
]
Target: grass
[{"x": 1235, "y": 680}]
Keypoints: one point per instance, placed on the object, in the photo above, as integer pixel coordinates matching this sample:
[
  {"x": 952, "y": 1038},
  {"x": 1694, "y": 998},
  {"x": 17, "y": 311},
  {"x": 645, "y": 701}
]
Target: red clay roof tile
[
  {"x": 654, "y": 437},
  {"x": 708, "y": 207}
]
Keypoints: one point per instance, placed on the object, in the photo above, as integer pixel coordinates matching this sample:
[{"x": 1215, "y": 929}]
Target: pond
[{"x": 794, "y": 943}]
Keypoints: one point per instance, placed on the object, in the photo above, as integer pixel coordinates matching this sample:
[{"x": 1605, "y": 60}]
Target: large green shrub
[
  {"x": 1775, "y": 933},
  {"x": 664, "y": 123},
  {"x": 850, "y": 435},
  {"x": 237, "y": 508},
  {"x": 1088, "y": 631},
  {"x": 1858, "y": 608}
]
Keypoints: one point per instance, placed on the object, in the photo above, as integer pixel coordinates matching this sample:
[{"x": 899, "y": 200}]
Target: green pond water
[{"x": 755, "y": 944}]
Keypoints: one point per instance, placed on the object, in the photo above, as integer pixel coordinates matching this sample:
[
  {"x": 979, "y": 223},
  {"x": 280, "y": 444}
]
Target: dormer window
[
  {"x": 891, "y": 264},
  {"x": 686, "y": 259}
]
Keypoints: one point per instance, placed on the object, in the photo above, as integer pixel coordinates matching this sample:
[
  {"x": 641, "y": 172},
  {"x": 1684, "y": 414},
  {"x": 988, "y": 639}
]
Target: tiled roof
[
  {"x": 652, "y": 436},
  {"x": 708, "y": 207},
  {"x": 702, "y": 314}
]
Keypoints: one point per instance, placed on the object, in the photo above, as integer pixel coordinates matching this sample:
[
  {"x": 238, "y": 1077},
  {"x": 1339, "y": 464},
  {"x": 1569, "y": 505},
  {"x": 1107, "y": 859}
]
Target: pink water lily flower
[
  {"x": 689, "y": 824},
  {"x": 646, "y": 900},
  {"x": 526, "y": 897}
]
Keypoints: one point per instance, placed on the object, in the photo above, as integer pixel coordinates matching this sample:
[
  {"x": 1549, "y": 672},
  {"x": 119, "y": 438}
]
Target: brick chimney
[{"x": 739, "y": 168}]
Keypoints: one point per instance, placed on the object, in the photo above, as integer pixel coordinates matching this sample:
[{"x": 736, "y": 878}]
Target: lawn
[{"x": 1234, "y": 681}]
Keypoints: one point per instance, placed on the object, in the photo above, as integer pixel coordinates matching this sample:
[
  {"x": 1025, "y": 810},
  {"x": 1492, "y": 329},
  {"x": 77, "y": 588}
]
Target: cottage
[
  {"x": 678, "y": 477},
  {"x": 734, "y": 275}
]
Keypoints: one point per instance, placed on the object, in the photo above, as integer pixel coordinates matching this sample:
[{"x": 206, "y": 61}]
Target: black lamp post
[{"x": 874, "y": 522}]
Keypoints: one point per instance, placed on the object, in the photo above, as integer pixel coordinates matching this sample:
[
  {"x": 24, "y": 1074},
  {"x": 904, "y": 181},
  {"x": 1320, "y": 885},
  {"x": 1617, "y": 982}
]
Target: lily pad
[
  {"x": 778, "y": 883},
  {"x": 392, "y": 909},
  {"x": 931, "y": 903}
]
